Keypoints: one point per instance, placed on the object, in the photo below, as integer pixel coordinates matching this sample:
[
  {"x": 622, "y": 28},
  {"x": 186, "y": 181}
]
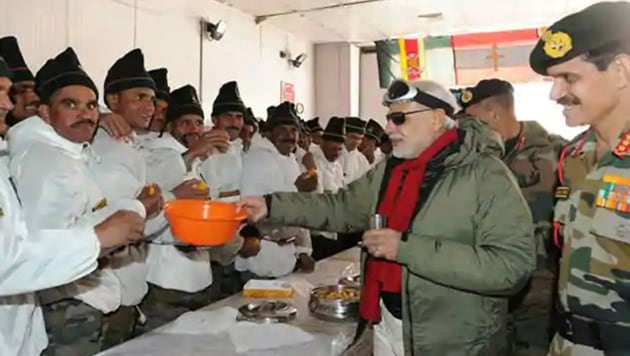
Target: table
[{"x": 331, "y": 338}]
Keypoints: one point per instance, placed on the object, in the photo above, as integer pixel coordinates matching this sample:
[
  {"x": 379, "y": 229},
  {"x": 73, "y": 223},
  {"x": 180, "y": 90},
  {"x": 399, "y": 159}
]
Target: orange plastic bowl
[{"x": 203, "y": 222}]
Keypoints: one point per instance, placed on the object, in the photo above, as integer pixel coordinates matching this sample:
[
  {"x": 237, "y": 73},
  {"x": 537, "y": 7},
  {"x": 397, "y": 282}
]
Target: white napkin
[
  {"x": 247, "y": 336},
  {"x": 203, "y": 322}
]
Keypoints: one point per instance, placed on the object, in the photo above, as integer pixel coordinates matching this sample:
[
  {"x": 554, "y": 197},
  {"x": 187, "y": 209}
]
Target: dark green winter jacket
[{"x": 469, "y": 247}]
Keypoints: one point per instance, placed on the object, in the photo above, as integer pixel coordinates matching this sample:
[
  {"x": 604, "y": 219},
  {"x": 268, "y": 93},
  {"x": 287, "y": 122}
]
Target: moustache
[
  {"x": 569, "y": 100},
  {"x": 234, "y": 128},
  {"x": 34, "y": 103},
  {"x": 83, "y": 122}
]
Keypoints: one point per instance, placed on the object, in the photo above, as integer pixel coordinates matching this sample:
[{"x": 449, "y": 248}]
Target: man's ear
[
  {"x": 111, "y": 100},
  {"x": 44, "y": 112},
  {"x": 439, "y": 117},
  {"x": 620, "y": 70}
]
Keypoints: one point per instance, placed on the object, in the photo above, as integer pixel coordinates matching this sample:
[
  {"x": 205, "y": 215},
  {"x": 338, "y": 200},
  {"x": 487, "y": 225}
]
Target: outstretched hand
[{"x": 255, "y": 207}]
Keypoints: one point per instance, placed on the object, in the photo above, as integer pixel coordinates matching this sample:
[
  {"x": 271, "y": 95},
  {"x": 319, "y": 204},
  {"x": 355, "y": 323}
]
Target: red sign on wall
[{"x": 287, "y": 92}]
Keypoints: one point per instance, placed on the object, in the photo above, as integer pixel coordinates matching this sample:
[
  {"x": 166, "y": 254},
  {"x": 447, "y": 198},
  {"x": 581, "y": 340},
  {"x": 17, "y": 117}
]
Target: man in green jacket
[{"x": 459, "y": 236}]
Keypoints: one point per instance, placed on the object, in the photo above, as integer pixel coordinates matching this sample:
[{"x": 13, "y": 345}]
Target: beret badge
[{"x": 557, "y": 44}]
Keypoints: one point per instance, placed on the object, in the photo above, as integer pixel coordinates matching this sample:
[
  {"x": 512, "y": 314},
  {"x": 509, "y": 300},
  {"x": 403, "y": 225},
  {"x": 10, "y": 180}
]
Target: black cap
[
  {"x": 183, "y": 101},
  {"x": 283, "y": 114},
  {"x": 228, "y": 99},
  {"x": 262, "y": 126},
  {"x": 374, "y": 130},
  {"x": 160, "y": 78},
  {"x": 59, "y": 72},
  {"x": 313, "y": 125},
  {"x": 128, "y": 72},
  {"x": 5, "y": 71},
  {"x": 303, "y": 128},
  {"x": 10, "y": 51},
  {"x": 483, "y": 90},
  {"x": 593, "y": 29},
  {"x": 335, "y": 130},
  {"x": 270, "y": 110},
  {"x": 250, "y": 118},
  {"x": 355, "y": 125}
]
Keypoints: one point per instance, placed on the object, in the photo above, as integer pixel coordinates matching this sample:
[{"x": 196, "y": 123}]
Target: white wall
[
  {"x": 532, "y": 101},
  {"x": 371, "y": 95},
  {"x": 337, "y": 80},
  {"x": 168, "y": 31}
]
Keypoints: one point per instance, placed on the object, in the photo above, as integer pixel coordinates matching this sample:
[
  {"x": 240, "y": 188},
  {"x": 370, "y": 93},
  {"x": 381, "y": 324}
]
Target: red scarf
[{"x": 399, "y": 205}]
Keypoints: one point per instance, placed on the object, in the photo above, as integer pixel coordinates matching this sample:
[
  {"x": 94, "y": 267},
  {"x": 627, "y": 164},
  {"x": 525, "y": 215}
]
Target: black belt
[{"x": 603, "y": 336}]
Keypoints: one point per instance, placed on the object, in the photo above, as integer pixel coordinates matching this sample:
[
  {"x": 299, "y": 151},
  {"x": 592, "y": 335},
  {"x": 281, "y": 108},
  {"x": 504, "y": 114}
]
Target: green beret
[
  {"x": 595, "y": 27},
  {"x": 483, "y": 90}
]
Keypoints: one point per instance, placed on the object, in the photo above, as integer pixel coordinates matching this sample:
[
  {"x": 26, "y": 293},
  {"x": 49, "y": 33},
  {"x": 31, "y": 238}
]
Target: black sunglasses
[{"x": 399, "y": 118}]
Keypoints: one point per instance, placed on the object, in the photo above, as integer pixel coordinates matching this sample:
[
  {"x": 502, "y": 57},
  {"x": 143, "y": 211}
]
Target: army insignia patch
[
  {"x": 100, "y": 205},
  {"x": 467, "y": 96},
  {"x": 557, "y": 44},
  {"x": 562, "y": 192},
  {"x": 623, "y": 148},
  {"x": 614, "y": 193}
]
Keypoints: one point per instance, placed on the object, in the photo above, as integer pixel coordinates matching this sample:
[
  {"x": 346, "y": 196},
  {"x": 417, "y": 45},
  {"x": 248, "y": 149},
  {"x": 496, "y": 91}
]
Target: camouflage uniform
[
  {"x": 594, "y": 286},
  {"x": 162, "y": 306},
  {"x": 73, "y": 327},
  {"x": 533, "y": 158},
  {"x": 592, "y": 215},
  {"x": 119, "y": 326}
]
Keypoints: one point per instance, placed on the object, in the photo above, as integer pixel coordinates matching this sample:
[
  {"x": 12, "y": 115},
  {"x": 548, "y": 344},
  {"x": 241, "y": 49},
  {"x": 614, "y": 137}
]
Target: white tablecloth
[{"x": 331, "y": 338}]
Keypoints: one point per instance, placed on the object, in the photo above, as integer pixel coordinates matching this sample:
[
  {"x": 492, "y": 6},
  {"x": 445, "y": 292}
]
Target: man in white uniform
[
  {"x": 222, "y": 171},
  {"x": 330, "y": 180},
  {"x": 129, "y": 93},
  {"x": 23, "y": 93},
  {"x": 354, "y": 162},
  {"x": 180, "y": 277},
  {"x": 24, "y": 254},
  {"x": 316, "y": 131},
  {"x": 250, "y": 128},
  {"x": 52, "y": 165},
  {"x": 270, "y": 166},
  {"x": 158, "y": 121},
  {"x": 371, "y": 142}
]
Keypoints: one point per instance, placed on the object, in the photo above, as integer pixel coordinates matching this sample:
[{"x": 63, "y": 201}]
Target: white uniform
[
  {"x": 169, "y": 267},
  {"x": 329, "y": 179},
  {"x": 222, "y": 172},
  {"x": 266, "y": 171},
  {"x": 354, "y": 164},
  {"x": 32, "y": 260},
  {"x": 299, "y": 157},
  {"x": 121, "y": 175},
  {"x": 379, "y": 156},
  {"x": 56, "y": 186}
]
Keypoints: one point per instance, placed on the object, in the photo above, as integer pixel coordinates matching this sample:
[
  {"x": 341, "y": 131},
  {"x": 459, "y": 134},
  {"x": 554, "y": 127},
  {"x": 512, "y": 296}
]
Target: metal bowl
[
  {"x": 334, "y": 309},
  {"x": 269, "y": 311},
  {"x": 354, "y": 280}
]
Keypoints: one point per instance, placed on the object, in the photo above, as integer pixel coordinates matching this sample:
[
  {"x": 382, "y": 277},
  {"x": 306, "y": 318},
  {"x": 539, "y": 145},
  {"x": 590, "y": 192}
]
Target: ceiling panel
[{"x": 396, "y": 18}]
